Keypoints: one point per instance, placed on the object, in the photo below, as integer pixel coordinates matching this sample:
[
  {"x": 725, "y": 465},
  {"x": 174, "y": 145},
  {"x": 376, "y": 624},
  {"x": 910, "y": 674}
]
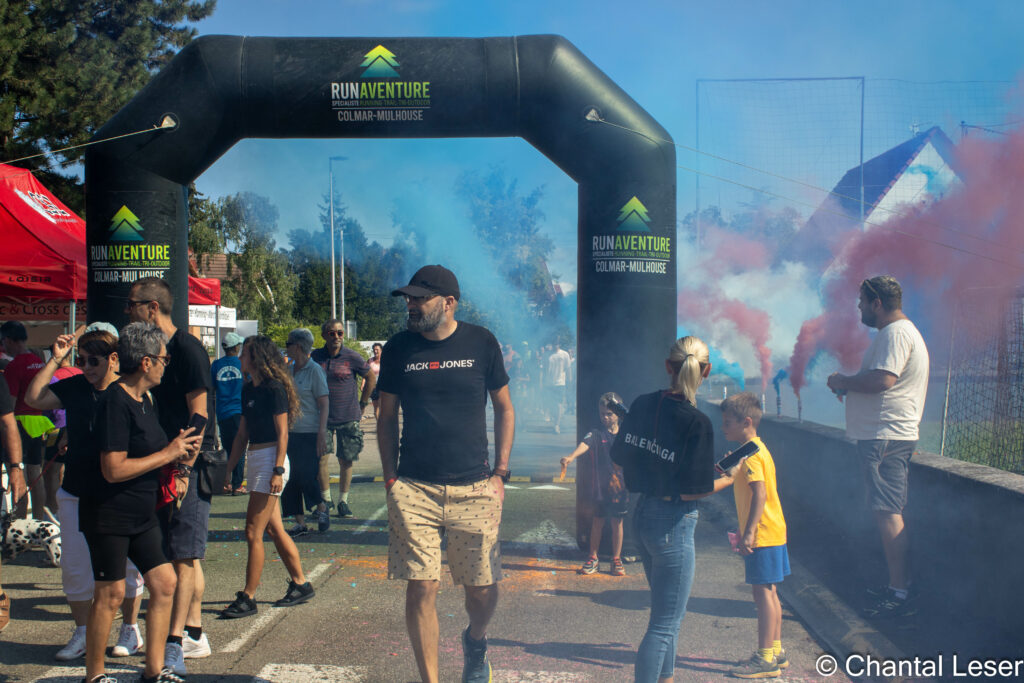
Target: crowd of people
[{"x": 134, "y": 499}]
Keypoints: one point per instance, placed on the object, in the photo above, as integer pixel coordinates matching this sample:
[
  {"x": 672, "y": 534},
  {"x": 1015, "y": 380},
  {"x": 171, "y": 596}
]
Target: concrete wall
[{"x": 966, "y": 522}]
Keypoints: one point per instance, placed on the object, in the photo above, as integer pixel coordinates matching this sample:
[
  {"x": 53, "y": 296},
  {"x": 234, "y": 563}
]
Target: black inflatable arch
[{"x": 221, "y": 89}]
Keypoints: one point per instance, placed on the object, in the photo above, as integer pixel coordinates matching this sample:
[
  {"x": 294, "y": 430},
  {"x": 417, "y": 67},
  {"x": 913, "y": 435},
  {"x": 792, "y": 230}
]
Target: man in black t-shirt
[
  {"x": 185, "y": 390},
  {"x": 15, "y": 471},
  {"x": 441, "y": 372}
]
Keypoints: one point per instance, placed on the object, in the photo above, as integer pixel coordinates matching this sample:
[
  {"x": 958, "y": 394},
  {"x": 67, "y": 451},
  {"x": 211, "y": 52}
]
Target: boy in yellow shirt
[{"x": 762, "y": 537}]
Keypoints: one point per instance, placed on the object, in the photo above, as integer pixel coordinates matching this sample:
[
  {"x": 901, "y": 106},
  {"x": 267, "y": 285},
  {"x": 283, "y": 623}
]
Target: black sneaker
[
  {"x": 475, "y": 667},
  {"x": 344, "y": 510},
  {"x": 298, "y": 530},
  {"x": 243, "y": 606},
  {"x": 165, "y": 676},
  {"x": 889, "y": 606},
  {"x": 296, "y": 594},
  {"x": 323, "y": 520}
]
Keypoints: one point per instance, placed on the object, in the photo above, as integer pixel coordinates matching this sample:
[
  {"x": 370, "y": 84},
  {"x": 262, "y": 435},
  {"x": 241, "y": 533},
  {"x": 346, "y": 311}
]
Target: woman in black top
[
  {"x": 665, "y": 449},
  {"x": 270, "y": 406},
  {"x": 120, "y": 521},
  {"x": 78, "y": 397}
]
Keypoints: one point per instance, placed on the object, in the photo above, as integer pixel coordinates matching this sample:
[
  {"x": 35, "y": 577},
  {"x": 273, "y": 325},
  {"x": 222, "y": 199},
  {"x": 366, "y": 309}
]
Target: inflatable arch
[{"x": 221, "y": 89}]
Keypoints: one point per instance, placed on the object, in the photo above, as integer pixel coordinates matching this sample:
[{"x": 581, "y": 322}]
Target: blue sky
[{"x": 654, "y": 50}]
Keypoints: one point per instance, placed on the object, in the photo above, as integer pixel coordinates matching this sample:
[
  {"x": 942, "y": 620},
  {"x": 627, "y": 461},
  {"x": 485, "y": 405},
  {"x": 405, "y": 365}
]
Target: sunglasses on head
[{"x": 91, "y": 361}]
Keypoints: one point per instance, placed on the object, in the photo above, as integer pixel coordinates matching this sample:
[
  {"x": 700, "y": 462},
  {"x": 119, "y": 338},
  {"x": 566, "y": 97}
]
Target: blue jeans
[{"x": 664, "y": 535}]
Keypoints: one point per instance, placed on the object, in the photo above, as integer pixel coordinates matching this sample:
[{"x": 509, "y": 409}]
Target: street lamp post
[{"x": 334, "y": 303}]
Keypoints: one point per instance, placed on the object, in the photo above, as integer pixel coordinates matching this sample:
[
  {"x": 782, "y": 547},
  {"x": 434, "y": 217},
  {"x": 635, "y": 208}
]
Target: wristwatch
[
  {"x": 279, "y": 470},
  {"x": 503, "y": 473},
  {"x": 16, "y": 465}
]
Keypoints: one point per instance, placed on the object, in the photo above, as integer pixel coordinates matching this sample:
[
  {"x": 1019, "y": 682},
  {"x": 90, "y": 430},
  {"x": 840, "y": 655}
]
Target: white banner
[{"x": 206, "y": 316}]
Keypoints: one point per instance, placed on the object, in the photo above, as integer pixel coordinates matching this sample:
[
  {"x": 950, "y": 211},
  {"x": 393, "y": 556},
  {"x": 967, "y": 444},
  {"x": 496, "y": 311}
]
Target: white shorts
[
  {"x": 75, "y": 566},
  {"x": 259, "y": 463}
]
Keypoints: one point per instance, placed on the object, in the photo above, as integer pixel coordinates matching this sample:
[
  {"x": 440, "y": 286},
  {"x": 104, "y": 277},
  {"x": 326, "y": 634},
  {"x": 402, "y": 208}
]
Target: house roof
[{"x": 840, "y": 212}]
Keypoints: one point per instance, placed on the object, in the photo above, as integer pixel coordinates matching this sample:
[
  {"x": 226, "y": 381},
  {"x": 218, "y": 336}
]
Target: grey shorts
[
  {"x": 185, "y": 532},
  {"x": 885, "y": 465}
]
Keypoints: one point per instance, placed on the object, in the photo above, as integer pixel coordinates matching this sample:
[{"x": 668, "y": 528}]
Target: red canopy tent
[
  {"x": 43, "y": 270},
  {"x": 43, "y": 242}
]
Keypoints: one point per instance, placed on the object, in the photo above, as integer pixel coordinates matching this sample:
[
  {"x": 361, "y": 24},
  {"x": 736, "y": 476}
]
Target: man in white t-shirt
[
  {"x": 557, "y": 375},
  {"x": 884, "y": 405}
]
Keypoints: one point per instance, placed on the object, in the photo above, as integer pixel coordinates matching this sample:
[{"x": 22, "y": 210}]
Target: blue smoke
[
  {"x": 779, "y": 376},
  {"x": 719, "y": 365}
]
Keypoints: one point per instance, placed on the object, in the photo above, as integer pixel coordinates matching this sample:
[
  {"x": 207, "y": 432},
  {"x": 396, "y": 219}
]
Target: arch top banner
[{"x": 221, "y": 89}]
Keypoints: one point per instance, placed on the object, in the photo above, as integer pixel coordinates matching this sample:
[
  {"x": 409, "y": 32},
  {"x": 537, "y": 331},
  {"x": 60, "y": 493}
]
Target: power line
[{"x": 807, "y": 185}]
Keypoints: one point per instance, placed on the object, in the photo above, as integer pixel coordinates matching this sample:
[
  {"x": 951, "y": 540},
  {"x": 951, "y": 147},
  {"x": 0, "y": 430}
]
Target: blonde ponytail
[{"x": 688, "y": 357}]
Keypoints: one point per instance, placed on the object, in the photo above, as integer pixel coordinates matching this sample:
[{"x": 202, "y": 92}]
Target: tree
[
  {"x": 66, "y": 66},
  {"x": 509, "y": 226},
  {"x": 258, "y": 274}
]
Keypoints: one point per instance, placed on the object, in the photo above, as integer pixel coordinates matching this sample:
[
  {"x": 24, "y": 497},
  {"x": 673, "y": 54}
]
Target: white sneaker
[
  {"x": 129, "y": 641},
  {"x": 174, "y": 659},
  {"x": 195, "y": 649},
  {"x": 75, "y": 647}
]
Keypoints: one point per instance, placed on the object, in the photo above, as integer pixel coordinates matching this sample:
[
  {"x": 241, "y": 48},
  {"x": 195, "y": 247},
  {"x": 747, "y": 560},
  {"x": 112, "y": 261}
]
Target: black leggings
[{"x": 108, "y": 552}]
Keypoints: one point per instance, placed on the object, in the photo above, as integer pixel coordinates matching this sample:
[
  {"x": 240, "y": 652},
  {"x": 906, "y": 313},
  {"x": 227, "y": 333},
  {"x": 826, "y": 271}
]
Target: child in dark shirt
[{"x": 607, "y": 489}]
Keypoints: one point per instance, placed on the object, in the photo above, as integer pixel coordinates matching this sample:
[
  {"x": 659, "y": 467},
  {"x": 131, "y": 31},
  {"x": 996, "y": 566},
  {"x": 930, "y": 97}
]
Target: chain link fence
[{"x": 984, "y": 415}]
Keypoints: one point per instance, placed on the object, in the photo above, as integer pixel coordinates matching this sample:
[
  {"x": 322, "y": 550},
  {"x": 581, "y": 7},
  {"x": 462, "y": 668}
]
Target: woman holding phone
[
  {"x": 120, "y": 521},
  {"x": 78, "y": 397},
  {"x": 665, "y": 449},
  {"x": 270, "y": 405}
]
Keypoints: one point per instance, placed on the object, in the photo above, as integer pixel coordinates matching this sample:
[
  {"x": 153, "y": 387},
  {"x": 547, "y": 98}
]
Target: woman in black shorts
[
  {"x": 78, "y": 397},
  {"x": 121, "y": 522},
  {"x": 269, "y": 407}
]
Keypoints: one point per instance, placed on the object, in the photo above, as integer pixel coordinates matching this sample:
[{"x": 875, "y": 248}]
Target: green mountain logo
[
  {"x": 380, "y": 62},
  {"x": 633, "y": 217},
  {"x": 124, "y": 227}
]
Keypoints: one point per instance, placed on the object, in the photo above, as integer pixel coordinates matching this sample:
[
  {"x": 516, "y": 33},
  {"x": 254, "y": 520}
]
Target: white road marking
[
  {"x": 311, "y": 673},
  {"x": 365, "y": 526},
  {"x": 546, "y": 533},
  {"x": 542, "y": 538},
  {"x": 74, "y": 674},
  {"x": 269, "y": 615},
  {"x": 503, "y": 676},
  {"x": 548, "y": 487}
]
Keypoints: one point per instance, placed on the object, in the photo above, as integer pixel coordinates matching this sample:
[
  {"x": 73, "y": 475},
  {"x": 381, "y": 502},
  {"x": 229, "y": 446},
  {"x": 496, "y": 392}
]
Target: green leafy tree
[
  {"x": 258, "y": 274},
  {"x": 66, "y": 66}
]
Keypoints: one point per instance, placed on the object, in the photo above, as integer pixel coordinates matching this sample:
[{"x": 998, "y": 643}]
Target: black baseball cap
[{"x": 431, "y": 281}]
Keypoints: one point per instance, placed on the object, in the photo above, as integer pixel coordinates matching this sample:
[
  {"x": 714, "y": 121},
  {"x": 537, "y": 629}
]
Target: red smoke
[
  {"x": 709, "y": 305},
  {"x": 970, "y": 238}
]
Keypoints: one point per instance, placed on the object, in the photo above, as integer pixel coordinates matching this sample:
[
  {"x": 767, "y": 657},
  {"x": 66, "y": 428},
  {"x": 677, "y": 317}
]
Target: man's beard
[{"x": 426, "y": 322}]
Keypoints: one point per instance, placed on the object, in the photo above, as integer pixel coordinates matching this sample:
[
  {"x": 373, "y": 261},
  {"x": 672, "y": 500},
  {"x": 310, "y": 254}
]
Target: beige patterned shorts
[{"x": 419, "y": 513}]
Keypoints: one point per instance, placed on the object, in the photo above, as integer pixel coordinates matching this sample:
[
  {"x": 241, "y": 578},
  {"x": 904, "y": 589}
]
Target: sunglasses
[
  {"x": 335, "y": 333},
  {"x": 91, "y": 361},
  {"x": 132, "y": 303},
  {"x": 871, "y": 288}
]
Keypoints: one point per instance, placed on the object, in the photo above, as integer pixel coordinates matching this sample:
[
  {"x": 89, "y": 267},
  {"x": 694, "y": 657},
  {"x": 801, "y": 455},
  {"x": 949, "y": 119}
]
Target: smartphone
[
  {"x": 619, "y": 409},
  {"x": 747, "y": 449},
  {"x": 198, "y": 422}
]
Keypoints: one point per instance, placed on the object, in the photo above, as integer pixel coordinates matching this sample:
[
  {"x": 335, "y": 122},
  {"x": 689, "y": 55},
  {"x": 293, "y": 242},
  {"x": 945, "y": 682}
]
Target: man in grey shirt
[
  {"x": 884, "y": 406},
  {"x": 307, "y": 438}
]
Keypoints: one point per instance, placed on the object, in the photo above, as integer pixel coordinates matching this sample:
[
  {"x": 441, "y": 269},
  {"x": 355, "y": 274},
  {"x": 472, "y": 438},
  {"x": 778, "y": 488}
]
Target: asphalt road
[{"x": 551, "y": 625}]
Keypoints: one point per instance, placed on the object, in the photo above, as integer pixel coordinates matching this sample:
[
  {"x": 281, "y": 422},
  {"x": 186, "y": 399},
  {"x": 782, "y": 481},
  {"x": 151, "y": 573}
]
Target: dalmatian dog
[{"x": 21, "y": 535}]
